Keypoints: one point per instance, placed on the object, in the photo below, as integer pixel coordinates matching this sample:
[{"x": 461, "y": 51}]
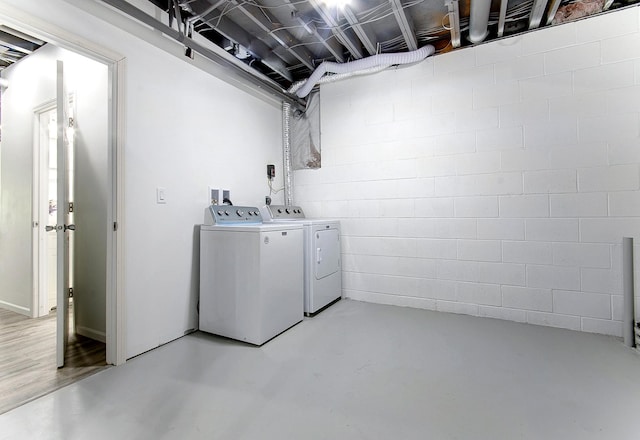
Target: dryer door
[{"x": 326, "y": 243}]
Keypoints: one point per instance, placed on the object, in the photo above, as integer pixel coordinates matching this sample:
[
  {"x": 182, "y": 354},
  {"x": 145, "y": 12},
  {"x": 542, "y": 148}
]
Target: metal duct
[
  {"x": 375, "y": 61},
  {"x": 286, "y": 153},
  {"x": 479, "y": 20}
]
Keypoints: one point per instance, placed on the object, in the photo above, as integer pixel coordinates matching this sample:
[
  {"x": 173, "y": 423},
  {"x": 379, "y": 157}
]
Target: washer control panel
[
  {"x": 229, "y": 214},
  {"x": 279, "y": 212}
]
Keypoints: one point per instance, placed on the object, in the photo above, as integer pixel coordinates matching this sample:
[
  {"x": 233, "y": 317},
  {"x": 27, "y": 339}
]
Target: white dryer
[
  {"x": 322, "y": 258},
  {"x": 251, "y": 274}
]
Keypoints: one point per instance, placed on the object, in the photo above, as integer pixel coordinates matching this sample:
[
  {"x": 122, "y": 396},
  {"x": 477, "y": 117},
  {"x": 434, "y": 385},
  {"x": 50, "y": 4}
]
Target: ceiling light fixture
[{"x": 336, "y": 3}]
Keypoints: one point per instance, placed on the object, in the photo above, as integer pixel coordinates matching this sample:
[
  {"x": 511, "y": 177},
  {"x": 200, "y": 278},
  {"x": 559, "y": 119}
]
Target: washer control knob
[
  {"x": 287, "y": 211},
  {"x": 240, "y": 213},
  {"x": 279, "y": 211},
  {"x": 220, "y": 212},
  {"x": 226, "y": 212}
]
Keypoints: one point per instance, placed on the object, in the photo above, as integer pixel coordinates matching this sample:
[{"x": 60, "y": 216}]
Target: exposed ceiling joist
[
  {"x": 234, "y": 68},
  {"x": 235, "y": 33},
  {"x": 329, "y": 44},
  {"x": 537, "y": 12},
  {"x": 552, "y": 10},
  {"x": 405, "y": 23},
  {"x": 17, "y": 44},
  {"x": 286, "y": 40},
  {"x": 503, "y": 16},
  {"x": 203, "y": 15},
  {"x": 282, "y": 37},
  {"x": 347, "y": 41},
  {"x": 22, "y": 35},
  {"x": 368, "y": 38},
  {"x": 8, "y": 57}
]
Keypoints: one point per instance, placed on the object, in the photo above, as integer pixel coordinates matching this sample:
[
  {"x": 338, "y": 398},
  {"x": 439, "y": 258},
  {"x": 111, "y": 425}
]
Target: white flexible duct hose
[
  {"x": 383, "y": 59},
  {"x": 337, "y": 77}
]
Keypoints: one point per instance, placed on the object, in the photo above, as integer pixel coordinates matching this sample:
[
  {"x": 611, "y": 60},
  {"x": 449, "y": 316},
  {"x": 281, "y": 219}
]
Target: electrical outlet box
[
  {"x": 214, "y": 196},
  {"x": 218, "y": 196},
  {"x": 271, "y": 172}
]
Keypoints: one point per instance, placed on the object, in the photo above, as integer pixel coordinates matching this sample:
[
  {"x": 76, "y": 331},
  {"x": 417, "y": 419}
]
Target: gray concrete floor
[{"x": 357, "y": 371}]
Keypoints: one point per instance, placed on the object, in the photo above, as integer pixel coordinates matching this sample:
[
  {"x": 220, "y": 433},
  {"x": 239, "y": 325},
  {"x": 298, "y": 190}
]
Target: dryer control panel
[
  {"x": 229, "y": 214},
  {"x": 281, "y": 212}
]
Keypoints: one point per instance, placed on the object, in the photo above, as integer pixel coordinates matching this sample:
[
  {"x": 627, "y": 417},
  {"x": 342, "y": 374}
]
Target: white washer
[
  {"x": 251, "y": 275},
  {"x": 322, "y": 259}
]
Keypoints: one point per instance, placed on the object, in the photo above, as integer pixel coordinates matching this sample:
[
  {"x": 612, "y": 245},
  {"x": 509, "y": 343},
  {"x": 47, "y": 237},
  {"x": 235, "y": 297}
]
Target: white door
[{"x": 64, "y": 226}]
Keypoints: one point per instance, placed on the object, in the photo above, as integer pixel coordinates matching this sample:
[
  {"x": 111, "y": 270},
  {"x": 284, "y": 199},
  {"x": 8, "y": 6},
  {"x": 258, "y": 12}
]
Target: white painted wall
[
  {"x": 30, "y": 87},
  {"x": 494, "y": 181},
  {"x": 184, "y": 130},
  {"x": 88, "y": 80}
]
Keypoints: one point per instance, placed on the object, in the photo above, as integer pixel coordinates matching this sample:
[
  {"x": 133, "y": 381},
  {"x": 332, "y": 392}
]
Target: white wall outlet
[
  {"x": 213, "y": 196},
  {"x": 161, "y": 195}
]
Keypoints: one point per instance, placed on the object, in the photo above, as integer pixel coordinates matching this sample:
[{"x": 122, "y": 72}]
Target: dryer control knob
[
  {"x": 239, "y": 212},
  {"x": 287, "y": 211}
]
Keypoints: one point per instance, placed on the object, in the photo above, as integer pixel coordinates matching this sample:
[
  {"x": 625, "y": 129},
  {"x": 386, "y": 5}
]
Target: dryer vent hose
[{"x": 359, "y": 67}]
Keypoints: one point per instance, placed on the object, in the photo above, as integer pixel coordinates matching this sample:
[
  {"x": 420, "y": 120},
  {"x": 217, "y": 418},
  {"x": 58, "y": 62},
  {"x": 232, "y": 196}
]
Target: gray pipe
[
  {"x": 627, "y": 274},
  {"x": 479, "y": 20}
]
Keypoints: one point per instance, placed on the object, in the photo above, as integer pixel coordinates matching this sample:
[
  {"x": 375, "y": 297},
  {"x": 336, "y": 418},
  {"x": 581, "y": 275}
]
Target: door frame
[{"x": 116, "y": 64}]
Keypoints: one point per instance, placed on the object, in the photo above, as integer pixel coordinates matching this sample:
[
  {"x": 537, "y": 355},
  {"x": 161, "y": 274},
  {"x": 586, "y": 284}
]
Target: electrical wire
[{"x": 271, "y": 189}]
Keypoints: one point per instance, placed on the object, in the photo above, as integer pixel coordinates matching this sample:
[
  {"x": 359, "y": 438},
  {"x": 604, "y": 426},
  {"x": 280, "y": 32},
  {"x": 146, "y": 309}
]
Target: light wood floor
[{"x": 28, "y": 358}]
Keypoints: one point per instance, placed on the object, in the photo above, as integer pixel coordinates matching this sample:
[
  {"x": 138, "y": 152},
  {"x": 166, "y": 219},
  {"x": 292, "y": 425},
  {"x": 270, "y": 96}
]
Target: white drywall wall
[
  {"x": 29, "y": 87},
  {"x": 88, "y": 81},
  {"x": 494, "y": 181}
]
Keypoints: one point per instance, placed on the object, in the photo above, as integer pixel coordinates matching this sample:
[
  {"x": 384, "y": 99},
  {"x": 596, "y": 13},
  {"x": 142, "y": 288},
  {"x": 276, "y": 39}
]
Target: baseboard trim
[
  {"x": 14, "y": 308},
  {"x": 91, "y": 333}
]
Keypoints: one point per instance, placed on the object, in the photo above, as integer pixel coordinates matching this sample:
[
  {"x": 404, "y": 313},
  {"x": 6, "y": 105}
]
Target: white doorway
[
  {"x": 46, "y": 204},
  {"x": 112, "y": 311}
]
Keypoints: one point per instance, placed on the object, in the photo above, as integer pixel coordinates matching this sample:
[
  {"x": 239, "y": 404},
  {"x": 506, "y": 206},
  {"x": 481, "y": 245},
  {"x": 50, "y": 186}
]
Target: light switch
[{"x": 161, "y": 195}]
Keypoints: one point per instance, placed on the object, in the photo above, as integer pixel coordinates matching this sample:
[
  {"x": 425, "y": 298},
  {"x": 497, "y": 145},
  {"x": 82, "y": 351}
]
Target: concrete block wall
[{"x": 495, "y": 181}]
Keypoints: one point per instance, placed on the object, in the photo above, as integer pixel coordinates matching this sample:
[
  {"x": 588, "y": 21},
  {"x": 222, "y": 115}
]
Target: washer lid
[{"x": 262, "y": 227}]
